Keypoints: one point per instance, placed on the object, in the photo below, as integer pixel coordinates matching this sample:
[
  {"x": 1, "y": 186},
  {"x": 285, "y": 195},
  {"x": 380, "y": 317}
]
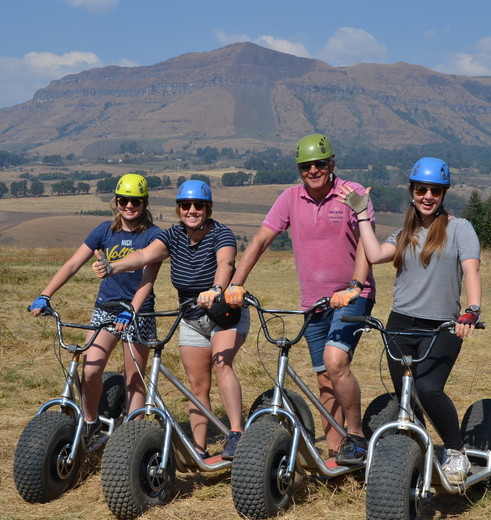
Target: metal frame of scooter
[
  {"x": 407, "y": 420},
  {"x": 187, "y": 457},
  {"x": 302, "y": 450}
]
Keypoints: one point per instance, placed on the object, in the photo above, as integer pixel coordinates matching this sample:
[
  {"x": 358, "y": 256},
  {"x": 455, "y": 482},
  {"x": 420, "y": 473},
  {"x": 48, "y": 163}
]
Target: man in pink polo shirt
[{"x": 330, "y": 261}]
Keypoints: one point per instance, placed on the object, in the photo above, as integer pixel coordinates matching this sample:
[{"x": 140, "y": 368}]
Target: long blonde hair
[
  {"x": 144, "y": 221},
  {"x": 435, "y": 241}
]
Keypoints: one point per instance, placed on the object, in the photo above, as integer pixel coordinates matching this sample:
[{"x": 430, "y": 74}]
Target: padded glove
[
  {"x": 124, "y": 317},
  {"x": 234, "y": 294},
  {"x": 469, "y": 318},
  {"x": 343, "y": 298},
  {"x": 356, "y": 202},
  {"x": 41, "y": 302}
]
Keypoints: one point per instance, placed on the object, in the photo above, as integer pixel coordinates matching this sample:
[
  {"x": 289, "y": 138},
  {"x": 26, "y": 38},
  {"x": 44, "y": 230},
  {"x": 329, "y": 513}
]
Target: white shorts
[{"x": 198, "y": 332}]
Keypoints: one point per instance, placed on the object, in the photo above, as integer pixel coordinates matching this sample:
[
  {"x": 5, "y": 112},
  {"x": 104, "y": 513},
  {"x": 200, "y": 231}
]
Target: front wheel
[
  {"x": 395, "y": 480},
  {"x": 130, "y": 475},
  {"x": 260, "y": 486},
  {"x": 41, "y": 470}
]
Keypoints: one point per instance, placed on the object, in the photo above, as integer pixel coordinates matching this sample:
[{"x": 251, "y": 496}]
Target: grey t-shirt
[{"x": 433, "y": 292}]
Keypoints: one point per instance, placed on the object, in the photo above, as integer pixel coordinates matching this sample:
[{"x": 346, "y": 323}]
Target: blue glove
[
  {"x": 41, "y": 302},
  {"x": 124, "y": 317}
]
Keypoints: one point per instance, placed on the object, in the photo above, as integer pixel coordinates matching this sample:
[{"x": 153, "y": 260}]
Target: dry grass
[{"x": 30, "y": 376}]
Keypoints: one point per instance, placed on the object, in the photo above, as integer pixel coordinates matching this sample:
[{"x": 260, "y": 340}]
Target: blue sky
[{"x": 43, "y": 40}]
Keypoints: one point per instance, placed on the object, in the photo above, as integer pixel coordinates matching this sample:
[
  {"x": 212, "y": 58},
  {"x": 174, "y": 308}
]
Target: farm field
[{"x": 31, "y": 375}]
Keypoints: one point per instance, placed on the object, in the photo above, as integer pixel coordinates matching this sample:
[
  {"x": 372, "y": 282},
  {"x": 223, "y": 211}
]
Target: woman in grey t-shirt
[{"x": 431, "y": 252}]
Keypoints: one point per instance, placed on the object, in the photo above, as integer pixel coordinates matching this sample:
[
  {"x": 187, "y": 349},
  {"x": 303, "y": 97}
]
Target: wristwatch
[
  {"x": 475, "y": 309},
  {"x": 217, "y": 288},
  {"x": 355, "y": 283}
]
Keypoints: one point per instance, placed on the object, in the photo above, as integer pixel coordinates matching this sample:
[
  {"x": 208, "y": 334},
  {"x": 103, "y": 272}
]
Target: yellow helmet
[{"x": 132, "y": 185}]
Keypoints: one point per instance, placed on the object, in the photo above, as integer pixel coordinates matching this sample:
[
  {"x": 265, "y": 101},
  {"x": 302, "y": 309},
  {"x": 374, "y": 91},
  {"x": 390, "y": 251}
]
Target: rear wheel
[
  {"x": 260, "y": 486},
  {"x": 383, "y": 409},
  {"x": 112, "y": 403},
  {"x": 300, "y": 407},
  {"x": 41, "y": 470},
  {"x": 130, "y": 475},
  {"x": 395, "y": 480}
]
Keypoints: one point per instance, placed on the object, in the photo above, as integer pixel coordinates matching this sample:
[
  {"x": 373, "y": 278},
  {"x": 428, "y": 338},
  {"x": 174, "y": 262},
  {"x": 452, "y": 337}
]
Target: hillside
[{"x": 247, "y": 97}]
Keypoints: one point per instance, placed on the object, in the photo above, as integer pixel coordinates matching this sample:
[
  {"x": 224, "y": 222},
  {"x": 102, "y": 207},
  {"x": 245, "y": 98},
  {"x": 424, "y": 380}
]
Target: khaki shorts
[{"x": 198, "y": 332}]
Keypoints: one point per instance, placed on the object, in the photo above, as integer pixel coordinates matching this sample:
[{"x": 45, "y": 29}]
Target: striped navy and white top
[{"x": 193, "y": 266}]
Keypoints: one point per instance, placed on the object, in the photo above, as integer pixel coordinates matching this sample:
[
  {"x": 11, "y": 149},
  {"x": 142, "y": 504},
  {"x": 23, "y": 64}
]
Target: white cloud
[
  {"x": 94, "y": 6},
  {"x": 467, "y": 64},
  {"x": 349, "y": 46},
  {"x": 270, "y": 42},
  {"x": 20, "y": 78}
]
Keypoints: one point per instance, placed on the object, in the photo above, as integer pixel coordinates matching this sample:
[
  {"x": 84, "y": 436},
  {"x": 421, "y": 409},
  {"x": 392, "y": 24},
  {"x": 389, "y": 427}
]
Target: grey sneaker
[
  {"x": 231, "y": 442},
  {"x": 456, "y": 466}
]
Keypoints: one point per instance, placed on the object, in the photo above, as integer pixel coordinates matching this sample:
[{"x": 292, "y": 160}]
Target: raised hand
[
  {"x": 101, "y": 267},
  {"x": 358, "y": 203}
]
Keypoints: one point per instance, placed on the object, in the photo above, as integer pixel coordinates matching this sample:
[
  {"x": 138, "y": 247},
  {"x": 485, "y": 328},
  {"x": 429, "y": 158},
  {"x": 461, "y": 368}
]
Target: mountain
[{"x": 244, "y": 96}]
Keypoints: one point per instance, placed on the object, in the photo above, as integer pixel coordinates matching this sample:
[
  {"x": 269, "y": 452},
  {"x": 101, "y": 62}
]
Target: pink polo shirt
[{"x": 324, "y": 239}]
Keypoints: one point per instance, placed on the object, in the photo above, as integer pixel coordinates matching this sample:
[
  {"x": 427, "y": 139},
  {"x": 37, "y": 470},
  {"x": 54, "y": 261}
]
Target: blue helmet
[
  {"x": 430, "y": 170},
  {"x": 194, "y": 190}
]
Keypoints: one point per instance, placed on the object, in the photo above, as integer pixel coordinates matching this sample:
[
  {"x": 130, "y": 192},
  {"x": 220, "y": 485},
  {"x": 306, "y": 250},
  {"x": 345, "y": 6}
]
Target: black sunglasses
[
  {"x": 186, "y": 206},
  {"x": 123, "y": 201},
  {"x": 436, "y": 191},
  {"x": 305, "y": 167}
]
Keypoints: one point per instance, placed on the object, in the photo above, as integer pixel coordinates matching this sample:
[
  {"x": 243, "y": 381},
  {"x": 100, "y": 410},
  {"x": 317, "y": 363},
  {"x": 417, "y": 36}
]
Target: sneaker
[
  {"x": 353, "y": 450},
  {"x": 91, "y": 431},
  {"x": 456, "y": 466},
  {"x": 231, "y": 442}
]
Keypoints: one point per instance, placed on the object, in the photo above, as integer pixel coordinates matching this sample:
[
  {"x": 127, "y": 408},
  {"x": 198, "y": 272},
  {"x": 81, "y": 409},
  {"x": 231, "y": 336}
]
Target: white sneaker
[{"x": 456, "y": 466}]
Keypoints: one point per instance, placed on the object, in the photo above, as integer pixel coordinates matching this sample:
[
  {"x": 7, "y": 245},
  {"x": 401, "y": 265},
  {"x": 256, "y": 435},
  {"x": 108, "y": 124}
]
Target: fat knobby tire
[
  {"x": 301, "y": 408},
  {"x": 383, "y": 409},
  {"x": 128, "y": 472},
  {"x": 40, "y": 470},
  {"x": 395, "y": 473},
  {"x": 261, "y": 457},
  {"x": 113, "y": 400}
]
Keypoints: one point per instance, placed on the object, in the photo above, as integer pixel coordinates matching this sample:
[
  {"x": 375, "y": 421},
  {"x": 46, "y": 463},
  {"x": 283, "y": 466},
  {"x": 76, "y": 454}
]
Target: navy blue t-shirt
[
  {"x": 117, "y": 245},
  {"x": 193, "y": 266}
]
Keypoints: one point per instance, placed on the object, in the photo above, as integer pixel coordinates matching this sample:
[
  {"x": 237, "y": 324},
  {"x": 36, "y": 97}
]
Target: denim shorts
[
  {"x": 146, "y": 325},
  {"x": 199, "y": 331},
  {"x": 326, "y": 328}
]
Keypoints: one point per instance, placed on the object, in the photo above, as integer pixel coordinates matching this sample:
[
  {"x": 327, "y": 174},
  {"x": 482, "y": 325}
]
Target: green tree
[
  {"x": 478, "y": 213},
  {"x": 3, "y": 189},
  {"x": 37, "y": 188}
]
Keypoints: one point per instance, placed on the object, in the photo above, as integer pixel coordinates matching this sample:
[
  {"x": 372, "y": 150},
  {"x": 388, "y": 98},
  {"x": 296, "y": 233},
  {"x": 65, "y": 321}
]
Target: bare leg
[
  {"x": 135, "y": 362},
  {"x": 197, "y": 364},
  {"x": 345, "y": 386},
  {"x": 225, "y": 345},
  {"x": 95, "y": 360},
  {"x": 327, "y": 398}
]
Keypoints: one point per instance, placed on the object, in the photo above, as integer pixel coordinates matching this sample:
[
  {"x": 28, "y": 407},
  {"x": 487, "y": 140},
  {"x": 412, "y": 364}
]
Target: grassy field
[{"x": 31, "y": 375}]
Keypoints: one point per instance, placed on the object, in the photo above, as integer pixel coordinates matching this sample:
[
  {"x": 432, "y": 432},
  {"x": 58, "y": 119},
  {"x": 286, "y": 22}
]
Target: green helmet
[
  {"x": 313, "y": 148},
  {"x": 132, "y": 185}
]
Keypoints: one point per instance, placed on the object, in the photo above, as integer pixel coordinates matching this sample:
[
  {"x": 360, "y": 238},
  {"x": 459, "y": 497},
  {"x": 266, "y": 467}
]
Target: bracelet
[
  {"x": 217, "y": 288},
  {"x": 364, "y": 219},
  {"x": 235, "y": 285}
]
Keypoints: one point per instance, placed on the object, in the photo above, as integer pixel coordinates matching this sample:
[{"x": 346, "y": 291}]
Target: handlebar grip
[
  {"x": 481, "y": 325},
  {"x": 356, "y": 319},
  {"x": 119, "y": 303}
]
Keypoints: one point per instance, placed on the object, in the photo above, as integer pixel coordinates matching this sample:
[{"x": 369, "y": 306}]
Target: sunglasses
[
  {"x": 186, "y": 206},
  {"x": 436, "y": 191},
  {"x": 319, "y": 165},
  {"x": 123, "y": 201}
]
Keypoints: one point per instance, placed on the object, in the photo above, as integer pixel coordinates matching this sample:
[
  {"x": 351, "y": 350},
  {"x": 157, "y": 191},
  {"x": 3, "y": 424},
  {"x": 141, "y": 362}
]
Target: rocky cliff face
[{"x": 245, "y": 96}]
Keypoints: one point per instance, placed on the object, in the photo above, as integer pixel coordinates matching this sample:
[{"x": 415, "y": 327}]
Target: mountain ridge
[{"x": 247, "y": 97}]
